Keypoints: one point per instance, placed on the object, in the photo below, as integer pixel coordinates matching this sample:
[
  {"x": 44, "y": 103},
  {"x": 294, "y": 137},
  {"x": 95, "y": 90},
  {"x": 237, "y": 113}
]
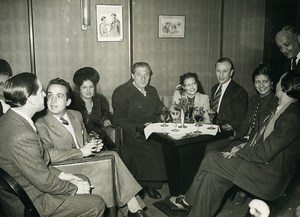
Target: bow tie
[{"x": 64, "y": 121}]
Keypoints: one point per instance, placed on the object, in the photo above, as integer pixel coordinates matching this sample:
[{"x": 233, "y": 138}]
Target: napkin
[{"x": 190, "y": 128}]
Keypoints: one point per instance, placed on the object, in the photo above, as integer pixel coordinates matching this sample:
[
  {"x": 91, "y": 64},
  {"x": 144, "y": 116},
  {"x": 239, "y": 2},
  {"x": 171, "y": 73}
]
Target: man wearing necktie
[
  {"x": 229, "y": 99},
  {"x": 288, "y": 42},
  {"x": 263, "y": 169},
  {"x": 63, "y": 132}
]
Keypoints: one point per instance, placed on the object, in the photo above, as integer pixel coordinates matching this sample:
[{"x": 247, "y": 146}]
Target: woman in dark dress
[{"x": 94, "y": 107}]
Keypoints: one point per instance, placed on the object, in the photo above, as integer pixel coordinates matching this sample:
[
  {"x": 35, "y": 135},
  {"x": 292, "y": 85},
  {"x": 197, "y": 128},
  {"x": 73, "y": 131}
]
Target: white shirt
[
  {"x": 4, "y": 106},
  {"x": 297, "y": 60},
  {"x": 28, "y": 119},
  {"x": 224, "y": 87}
]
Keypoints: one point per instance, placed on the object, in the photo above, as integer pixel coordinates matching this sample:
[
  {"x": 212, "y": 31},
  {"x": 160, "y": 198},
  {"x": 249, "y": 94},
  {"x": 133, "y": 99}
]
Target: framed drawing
[
  {"x": 109, "y": 22},
  {"x": 171, "y": 26}
]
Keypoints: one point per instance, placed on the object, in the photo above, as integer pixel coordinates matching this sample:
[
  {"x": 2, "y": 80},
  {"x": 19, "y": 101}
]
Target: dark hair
[
  {"x": 61, "y": 82},
  {"x": 194, "y": 75},
  {"x": 102, "y": 18},
  {"x": 5, "y": 68},
  {"x": 290, "y": 84},
  {"x": 141, "y": 64},
  {"x": 18, "y": 88},
  {"x": 261, "y": 70},
  {"x": 84, "y": 74},
  {"x": 225, "y": 59}
]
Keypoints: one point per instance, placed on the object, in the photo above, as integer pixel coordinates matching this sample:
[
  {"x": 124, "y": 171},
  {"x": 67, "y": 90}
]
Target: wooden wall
[{"x": 62, "y": 47}]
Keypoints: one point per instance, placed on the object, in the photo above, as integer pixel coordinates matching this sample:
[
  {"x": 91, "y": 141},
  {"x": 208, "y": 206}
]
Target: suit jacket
[
  {"x": 133, "y": 109},
  {"x": 23, "y": 156},
  {"x": 269, "y": 166},
  {"x": 58, "y": 140},
  {"x": 234, "y": 104}
]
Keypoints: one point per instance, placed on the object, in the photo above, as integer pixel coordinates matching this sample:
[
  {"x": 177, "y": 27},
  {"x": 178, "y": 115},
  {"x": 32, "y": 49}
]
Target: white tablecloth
[{"x": 190, "y": 129}]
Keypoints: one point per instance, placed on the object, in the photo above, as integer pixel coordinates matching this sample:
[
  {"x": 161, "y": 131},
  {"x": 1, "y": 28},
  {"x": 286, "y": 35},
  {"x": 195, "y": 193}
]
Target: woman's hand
[{"x": 107, "y": 123}]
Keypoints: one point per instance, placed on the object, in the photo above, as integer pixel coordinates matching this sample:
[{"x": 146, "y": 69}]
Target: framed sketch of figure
[{"x": 109, "y": 22}]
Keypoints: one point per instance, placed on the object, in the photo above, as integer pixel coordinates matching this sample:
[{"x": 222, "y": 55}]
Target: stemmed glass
[
  {"x": 175, "y": 116},
  {"x": 211, "y": 114},
  {"x": 164, "y": 115},
  {"x": 198, "y": 117}
]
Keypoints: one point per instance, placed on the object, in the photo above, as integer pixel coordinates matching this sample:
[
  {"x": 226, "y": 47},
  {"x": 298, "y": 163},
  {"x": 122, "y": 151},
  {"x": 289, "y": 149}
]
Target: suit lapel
[{"x": 77, "y": 127}]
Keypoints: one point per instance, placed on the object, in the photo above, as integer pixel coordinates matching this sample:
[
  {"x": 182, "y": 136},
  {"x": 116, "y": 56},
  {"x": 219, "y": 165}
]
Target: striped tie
[{"x": 216, "y": 99}]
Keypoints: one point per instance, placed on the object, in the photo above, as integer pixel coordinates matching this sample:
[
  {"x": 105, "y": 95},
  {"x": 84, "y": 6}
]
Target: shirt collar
[
  {"x": 225, "y": 85},
  {"x": 28, "y": 119}
]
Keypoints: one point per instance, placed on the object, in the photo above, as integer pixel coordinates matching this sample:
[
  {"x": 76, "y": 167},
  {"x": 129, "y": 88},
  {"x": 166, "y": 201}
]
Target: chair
[
  {"x": 101, "y": 172},
  {"x": 115, "y": 133},
  {"x": 9, "y": 186}
]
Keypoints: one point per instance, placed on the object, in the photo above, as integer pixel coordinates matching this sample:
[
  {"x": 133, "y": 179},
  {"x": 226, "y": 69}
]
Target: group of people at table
[{"x": 260, "y": 158}]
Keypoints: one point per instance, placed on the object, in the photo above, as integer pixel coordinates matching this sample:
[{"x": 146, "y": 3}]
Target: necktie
[
  {"x": 64, "y": 121},
  {"x": 294, "y": 63},
  {"x": 216, "y": 99}
]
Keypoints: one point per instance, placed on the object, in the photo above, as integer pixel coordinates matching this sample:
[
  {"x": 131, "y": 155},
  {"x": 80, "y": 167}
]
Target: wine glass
[
  {"x": 198, "y": 116},
  {"x": 211, "y": 114},
  {"x": 164, "y": 115},
  {"x": 175, "y": 116}
]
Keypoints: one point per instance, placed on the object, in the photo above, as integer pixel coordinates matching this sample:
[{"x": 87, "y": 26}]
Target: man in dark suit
[
  {"x": 23, "y": 156},
  {"x": 288, "y": 42},
  {"x": 136, "y": 103},
  {"x": 263, "y": 169},
  {"x": 229, "y": 100}
]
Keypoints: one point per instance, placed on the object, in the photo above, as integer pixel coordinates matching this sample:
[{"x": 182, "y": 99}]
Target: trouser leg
[
  {"x": 210, "y": 184},
  {"x": 83, "y": 205},
  {"x": 126, "y": 185},
  {"x": 208, "y": 195}
]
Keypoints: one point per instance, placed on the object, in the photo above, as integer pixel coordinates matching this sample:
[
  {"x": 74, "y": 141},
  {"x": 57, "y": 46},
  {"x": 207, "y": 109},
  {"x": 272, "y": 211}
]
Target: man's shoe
[
  {"x": 177, "y": 203},
  {"x": 139, "y": 213},
  {"x": 152, "y": 193}
]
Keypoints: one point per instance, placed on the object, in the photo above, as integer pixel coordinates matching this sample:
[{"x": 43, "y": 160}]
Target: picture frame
[
  {"x": 170, "y": 26},
  {"x": 109, "y": 22}
]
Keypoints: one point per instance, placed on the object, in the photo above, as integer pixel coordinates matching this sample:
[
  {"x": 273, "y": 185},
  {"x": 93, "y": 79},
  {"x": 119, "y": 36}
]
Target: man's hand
[
  {"x": 95, "y": 145},
  {"x": 69, "y": 177},
  {"x": 232, "y": 153},
  {"x": 83, "y": 187},
  {"x": 106, "y": 123}
]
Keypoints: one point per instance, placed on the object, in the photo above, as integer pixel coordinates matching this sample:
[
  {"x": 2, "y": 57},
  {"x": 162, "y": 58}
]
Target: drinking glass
[
  {"x": 211, "y": 114},
  {"x": 175, "y": 116},
  {"x": 198, "y": 116},
  {"x": 164, "y": 115}
]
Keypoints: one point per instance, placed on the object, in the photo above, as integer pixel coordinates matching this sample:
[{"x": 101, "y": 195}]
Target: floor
[{"x": 285, "y": 207}]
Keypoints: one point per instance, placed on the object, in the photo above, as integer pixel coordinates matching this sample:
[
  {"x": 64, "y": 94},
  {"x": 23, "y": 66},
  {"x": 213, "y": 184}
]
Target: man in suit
[
  {"x": 5, "y": 73},
  {"x": 136, "y": 103},
  {"x": 23, "y": 156},
  {"x": 288, "y": 42},
  {"x": 63, "y": 132},
  {"x": 229, "y": 100},
  {"x": 264, "y": 169}
]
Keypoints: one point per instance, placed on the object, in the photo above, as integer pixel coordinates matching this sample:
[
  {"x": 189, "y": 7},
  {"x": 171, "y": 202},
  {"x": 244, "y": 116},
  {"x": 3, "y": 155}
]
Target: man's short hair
[
  {"x": 64, "y": 83},
  {"x": 225, "y": 59},
  {"x": 5, "y": 68},
  {"x": 18, "y": 88},
  {"x": 290, "y": 84},
  {"x": 140, "y": 65}
]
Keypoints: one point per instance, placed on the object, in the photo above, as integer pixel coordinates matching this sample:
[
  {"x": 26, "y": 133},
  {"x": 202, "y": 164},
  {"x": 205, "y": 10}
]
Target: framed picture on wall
[
  {"x": 171, "y": 26},
  {"x": 109, "y": 22}
]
